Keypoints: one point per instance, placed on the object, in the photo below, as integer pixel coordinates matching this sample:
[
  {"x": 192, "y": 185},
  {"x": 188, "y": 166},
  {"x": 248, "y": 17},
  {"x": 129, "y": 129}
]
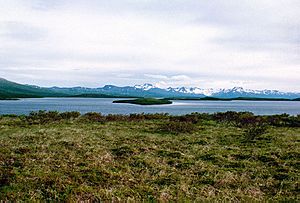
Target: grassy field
[{"x": 154, "y": 159}]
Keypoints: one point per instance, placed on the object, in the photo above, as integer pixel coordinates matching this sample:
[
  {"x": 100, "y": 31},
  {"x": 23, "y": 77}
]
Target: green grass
[
  {"x": 145, "y": 101},
  {"x": 76, "y": 159}
]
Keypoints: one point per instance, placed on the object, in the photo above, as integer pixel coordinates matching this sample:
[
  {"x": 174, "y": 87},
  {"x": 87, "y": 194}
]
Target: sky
[{"x": 208, "y": 44}]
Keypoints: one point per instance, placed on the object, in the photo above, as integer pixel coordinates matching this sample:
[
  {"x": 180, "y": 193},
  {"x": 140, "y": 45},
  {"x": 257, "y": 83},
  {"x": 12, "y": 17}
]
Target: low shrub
[
  {"x": 142, "y": 116},
  {"x": 239, "y": 119},
  {"x": 117, "y": 117},
  {"x": 176, "y": 127},
  {"x": 245, "y": 120},
  {"x": 9, "y": 116},
  {"x": 254, "y": 131},
  {"x": 42, "y": 117},
  {"x": 157, "y": 116},
  {"x": 70, "y": 115},
  {"x": 191, "y": 118},
  {"x": 93, "y": 117},
  {"x": 284, "y": 120}
]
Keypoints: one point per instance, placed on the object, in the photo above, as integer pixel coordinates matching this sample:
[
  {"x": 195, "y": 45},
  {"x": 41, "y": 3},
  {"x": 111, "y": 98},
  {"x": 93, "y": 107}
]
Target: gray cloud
[
  {"x": 46, "y": 5},
  {"x": 14, "y": 30},
  {"x": 206, "y": 43},
  {"x": 253, "y": 24}
]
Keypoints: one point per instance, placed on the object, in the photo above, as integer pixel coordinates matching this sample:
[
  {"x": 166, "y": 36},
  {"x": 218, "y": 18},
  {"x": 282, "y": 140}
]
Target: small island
[{"x": 145, "y": 101}]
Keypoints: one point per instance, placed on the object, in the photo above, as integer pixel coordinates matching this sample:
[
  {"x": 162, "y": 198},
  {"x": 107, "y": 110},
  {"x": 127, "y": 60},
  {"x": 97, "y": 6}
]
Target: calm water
[{"x": 105, "y": 106}]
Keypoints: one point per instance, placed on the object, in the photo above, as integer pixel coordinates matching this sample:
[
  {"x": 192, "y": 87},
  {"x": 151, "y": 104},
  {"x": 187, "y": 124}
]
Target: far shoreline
[{"x": 95, "y": 96}]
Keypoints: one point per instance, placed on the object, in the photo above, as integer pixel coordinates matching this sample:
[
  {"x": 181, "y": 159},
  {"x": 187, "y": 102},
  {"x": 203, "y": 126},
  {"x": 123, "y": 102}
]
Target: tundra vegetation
[{"x": 52, "y": 156}]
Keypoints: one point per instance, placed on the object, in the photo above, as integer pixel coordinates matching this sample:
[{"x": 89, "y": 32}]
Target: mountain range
[{"x": 10, "y": 89}]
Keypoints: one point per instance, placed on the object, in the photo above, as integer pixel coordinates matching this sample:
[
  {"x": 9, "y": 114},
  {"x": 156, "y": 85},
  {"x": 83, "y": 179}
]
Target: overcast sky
[{"x": 213, "y": 43}]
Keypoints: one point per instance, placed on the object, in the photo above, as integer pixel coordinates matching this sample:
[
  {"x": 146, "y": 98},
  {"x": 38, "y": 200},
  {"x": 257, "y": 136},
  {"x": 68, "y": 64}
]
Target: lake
[{"x": 105, "y": 106}]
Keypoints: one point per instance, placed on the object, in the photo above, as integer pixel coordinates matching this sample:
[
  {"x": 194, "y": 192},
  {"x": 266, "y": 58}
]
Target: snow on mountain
[
  {"x": 193, "y": 90},
  {"x": 233, "y": 92},
  {"x": 241, "y": 92},
  {"x": 149, "y": 90},
  {"x": 206, "y": 92},
  {"x": 265, "y": 92},
  {"x": 145, "y": 86},
  {"x": 200, "y": 92}
]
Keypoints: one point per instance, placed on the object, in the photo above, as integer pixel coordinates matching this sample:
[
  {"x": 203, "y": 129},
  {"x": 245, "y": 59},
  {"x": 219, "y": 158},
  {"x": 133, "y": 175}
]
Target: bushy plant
[
  {"x": 232, "y": 116},
  {"x": 284, "y": 120},
  {"x": 42, "y": 117},
  {"x": 176, "y": 127},
  {"x": 254, "y": 131},
  {"x": 70, "y": 115},
  {"x": 245, "y": 120},
  {"x": 191, "y": 118},
  {"x": 93, "y": 117},
  {"x": 225, "y": 117},
  {"x": 116, "y": 117},
  {"x": 238, "y": 119},
  {"x": 162, "y": 116},
  {"x": 203, "y": 116}
]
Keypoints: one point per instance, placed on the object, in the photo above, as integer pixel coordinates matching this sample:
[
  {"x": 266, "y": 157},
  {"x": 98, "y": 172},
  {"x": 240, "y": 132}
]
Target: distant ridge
[{"x": 10, "y": 89}]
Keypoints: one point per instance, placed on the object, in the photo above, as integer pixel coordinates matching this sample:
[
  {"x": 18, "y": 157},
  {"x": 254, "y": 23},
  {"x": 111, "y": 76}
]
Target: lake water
[{"x": 105, "y": 106}]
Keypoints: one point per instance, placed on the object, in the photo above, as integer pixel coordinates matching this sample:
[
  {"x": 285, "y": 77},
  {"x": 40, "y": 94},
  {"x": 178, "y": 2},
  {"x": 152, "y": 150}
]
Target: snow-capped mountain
[
  {"x": 9, "y": 89},
  {"x": 241, "y": 92},
  {"x": 222, "y": 93},
  {"x": 145, "y": 86},
  {"x": 149, "y": 90},
  {"x": 194, "y": 90}
]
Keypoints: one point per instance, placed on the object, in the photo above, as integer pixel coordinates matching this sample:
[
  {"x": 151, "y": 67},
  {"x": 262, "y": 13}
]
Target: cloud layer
[{"x": 214, "y": 43}]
